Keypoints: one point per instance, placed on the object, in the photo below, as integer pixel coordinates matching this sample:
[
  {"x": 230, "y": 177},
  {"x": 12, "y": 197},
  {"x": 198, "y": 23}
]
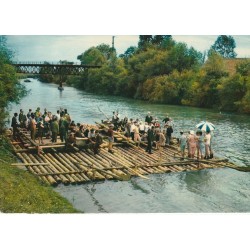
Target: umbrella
[{"x": 205, "y": 126}]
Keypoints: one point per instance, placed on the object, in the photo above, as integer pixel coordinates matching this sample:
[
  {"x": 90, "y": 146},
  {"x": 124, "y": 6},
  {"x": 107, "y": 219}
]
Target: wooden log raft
[{"x": 127, "y": 160}]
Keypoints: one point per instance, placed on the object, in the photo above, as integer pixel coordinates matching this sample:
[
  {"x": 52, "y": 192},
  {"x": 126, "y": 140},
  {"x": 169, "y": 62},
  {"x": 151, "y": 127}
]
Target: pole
[{"x": 113, "y": 43}]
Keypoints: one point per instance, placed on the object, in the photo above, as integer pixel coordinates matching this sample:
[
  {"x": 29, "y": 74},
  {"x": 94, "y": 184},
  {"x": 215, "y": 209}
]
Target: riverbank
[{"x": 20, "y": 192}]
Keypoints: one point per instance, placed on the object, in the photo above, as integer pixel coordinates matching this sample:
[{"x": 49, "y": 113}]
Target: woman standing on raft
[{"x": 110, "y": 138}]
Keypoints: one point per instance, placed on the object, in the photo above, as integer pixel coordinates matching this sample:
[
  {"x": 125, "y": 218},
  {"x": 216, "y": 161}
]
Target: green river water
[{"x": 216, "y": 190}]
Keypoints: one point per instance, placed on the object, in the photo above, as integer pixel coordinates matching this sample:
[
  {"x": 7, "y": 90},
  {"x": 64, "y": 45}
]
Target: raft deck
[{"x": 56, "y": 165}]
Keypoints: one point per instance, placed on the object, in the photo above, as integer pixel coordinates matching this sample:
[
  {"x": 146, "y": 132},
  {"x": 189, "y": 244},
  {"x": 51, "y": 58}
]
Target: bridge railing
[
  {"x": 59, "y": 68},
  {"x": 46, "y": 62}
]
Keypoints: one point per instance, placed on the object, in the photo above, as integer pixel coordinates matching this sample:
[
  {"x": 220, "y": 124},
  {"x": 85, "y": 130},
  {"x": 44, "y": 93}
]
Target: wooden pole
[{"x": 29, "y": 164}]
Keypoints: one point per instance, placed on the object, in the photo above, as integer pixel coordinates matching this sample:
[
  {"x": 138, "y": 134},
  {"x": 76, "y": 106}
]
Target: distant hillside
[{"x": 231, "y": 63}]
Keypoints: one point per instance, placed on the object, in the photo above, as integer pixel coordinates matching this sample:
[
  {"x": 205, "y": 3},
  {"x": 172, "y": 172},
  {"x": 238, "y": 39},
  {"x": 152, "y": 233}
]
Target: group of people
[
  {"x": 48, "y": 125},
  {"x": 149, "y": 130},
  {"x": 42, "y": 124},
  {"x": 199, "y": 143},
  {"x": 159, "y": 135}
]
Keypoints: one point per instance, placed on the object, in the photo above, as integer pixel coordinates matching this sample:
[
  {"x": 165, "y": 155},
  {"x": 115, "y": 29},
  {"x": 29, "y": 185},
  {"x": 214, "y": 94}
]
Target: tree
[
  {"x": 5, "y": 53},
  {"x": 215, "y": 74},
  {"x": 215, "y": 65},
  {"x": 180, "y": 58},
  {"x": 106, "y": 50},
  {"x": 225, "y": 45},
  {"x": 128, "y": 53},
  {"x": 231, "y": 92},
  {"x": 244, "y": 104},
  {"x": 244, "y": 68},
  {"x": 10, "y": 88},
  {"x": 144, "y": 40},
  {"x": 158, "y": 39},
  {"x": 92, "y": 56}
]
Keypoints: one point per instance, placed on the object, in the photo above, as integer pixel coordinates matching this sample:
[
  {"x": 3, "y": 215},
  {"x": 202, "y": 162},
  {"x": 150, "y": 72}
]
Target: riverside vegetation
[{"x": 161, "y": 70}]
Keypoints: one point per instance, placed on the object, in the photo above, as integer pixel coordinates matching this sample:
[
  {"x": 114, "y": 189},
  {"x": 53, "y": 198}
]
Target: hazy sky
[{"x": 58, "y": 47}]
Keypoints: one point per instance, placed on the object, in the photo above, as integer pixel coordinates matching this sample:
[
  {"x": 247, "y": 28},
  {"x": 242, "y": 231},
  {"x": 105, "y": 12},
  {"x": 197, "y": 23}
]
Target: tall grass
[{"x": 21, "y": 192}]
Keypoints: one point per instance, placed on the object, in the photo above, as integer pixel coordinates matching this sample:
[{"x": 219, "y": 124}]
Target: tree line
[{"x": 161, "y": 70}]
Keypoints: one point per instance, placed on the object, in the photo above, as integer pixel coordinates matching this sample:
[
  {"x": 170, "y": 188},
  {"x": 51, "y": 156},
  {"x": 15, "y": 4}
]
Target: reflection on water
[
  {"x": 137, "y": 186},
  {"x": 91, "y": 190},
  {"x": 216, "y": 190},
  {"x": 198, "y": 181}
]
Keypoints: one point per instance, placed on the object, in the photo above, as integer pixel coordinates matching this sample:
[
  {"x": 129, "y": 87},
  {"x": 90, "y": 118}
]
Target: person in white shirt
[
  {"x": 207, "y": 139},
  {"x": 137, "y": 137},
  {"x": 58, "y": 115},
  {"x": 141, "y": 128},
  {"x": 182, "y": 143}
]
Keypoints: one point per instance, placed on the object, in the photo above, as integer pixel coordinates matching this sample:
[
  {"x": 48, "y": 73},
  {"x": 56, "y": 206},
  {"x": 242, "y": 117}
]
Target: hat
[
  {"x": 149, "y": 113},
  {"x": 191, "y": 132},
  {"x": 111, "y": 125},
  {"x": 181, "y": 131}
]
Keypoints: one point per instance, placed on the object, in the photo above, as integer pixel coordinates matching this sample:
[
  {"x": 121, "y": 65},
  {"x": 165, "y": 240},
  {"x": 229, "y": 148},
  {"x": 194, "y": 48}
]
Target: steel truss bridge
[{"x": 52, "y": 68}]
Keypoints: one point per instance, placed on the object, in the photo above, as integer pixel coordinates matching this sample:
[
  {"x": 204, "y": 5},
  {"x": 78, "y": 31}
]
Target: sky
[{"x": 53, "y": 48}]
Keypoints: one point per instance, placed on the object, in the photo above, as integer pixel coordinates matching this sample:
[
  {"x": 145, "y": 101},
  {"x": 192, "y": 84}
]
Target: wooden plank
[
  {"x": 29, "y": 164},
  {"x": 63, "y": 173}
]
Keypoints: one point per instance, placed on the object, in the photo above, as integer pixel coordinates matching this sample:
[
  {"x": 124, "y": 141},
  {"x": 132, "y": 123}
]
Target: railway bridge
[{"x": 58, "y": 68}]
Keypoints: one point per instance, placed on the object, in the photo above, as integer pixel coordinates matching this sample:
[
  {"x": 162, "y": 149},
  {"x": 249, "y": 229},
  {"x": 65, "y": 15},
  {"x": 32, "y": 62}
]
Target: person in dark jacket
[
  {"x": 14, "y": 125},
  {"x": 148, "y": 118},
  {"x": 166, "y": 119},
  {"x": 169, "y": 132},
  {"x": 54, "y": 129},
  {"x": 63, "y": 128},
  {"x": 150, "y": 139}
]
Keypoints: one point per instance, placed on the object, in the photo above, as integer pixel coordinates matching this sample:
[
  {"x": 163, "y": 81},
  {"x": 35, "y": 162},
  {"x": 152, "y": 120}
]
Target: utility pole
[{"x": 113, "y": 43}]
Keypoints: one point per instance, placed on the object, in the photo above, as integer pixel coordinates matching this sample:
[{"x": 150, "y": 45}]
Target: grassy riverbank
[{"x": 21, "y": 192}]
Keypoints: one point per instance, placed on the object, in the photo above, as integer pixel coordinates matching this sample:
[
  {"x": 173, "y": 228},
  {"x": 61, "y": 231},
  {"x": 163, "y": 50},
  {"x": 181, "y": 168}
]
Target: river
[{"x": 214, "y": 190}]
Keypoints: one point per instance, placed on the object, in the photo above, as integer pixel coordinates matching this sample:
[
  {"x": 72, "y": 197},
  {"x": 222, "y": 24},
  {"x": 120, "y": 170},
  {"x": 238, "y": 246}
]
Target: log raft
[{"x": 53, "y": 163}]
